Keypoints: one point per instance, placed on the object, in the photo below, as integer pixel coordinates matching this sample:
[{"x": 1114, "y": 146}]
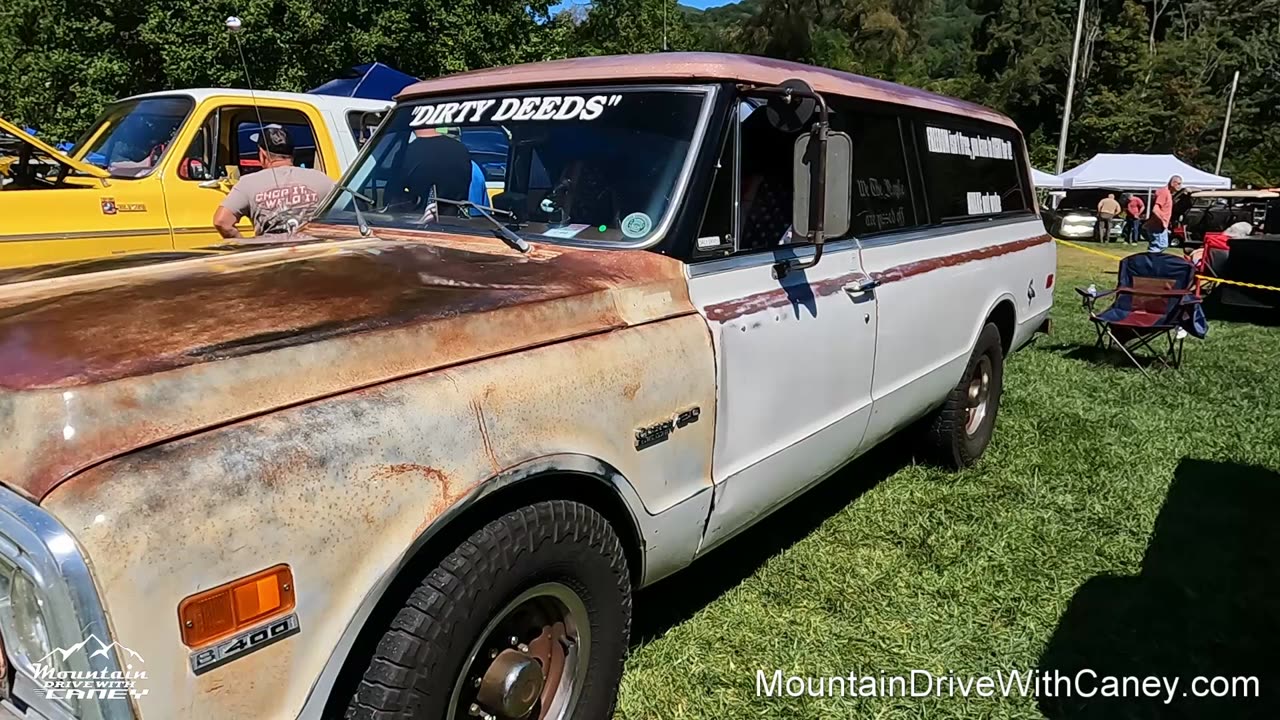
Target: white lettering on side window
[
  {"x": 948, "y": 142},
  {"x": 984, "y": 203}
]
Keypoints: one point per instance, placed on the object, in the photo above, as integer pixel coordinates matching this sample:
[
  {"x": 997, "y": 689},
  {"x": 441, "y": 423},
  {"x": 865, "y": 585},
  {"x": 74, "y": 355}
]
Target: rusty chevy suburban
[{"x": 415, "y": 461}]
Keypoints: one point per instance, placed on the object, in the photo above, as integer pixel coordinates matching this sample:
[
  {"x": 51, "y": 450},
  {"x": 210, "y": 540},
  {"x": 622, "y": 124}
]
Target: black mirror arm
[{"x": 817, "y": 184}]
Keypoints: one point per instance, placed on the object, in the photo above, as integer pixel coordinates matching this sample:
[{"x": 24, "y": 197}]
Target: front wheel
[
  {"x": 528, "y": 619},
  {"x": 961, "y": 429}
]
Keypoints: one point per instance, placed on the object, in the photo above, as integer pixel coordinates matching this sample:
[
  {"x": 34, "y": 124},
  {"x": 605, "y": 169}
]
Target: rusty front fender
[{"x": 347, "y": 488}]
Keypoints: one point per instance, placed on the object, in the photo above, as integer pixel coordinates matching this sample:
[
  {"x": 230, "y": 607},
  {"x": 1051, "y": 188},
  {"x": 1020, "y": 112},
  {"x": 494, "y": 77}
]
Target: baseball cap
[{"x": 275, "y": 140}]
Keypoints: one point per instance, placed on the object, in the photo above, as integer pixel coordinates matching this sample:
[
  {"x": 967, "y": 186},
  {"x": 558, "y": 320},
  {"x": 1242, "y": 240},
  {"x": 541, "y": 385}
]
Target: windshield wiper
[
  {"x": 360, "y": 221},
  {"x": 485, "y": 211}
]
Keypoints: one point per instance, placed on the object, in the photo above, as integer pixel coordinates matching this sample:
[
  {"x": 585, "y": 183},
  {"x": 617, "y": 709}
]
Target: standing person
[
  {"x": 1162, "y": 215},
  {"x": 436, "y": 161},
  {"x": 1182, "y": 201},
  {"x": 280, "y": 197},
  {"x": 1108, "y": 209},
  {"x": 1133, "y": 219}
]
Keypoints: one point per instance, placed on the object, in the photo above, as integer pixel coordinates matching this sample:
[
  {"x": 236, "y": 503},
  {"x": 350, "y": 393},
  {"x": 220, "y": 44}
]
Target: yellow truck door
[
  {"x": 222, "y": 147},
  {"x": 56, "y": 209}
]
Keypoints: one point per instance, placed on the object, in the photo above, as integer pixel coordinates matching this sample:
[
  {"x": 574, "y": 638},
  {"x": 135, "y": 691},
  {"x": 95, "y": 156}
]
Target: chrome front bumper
[{"x": 36, "y": 543}]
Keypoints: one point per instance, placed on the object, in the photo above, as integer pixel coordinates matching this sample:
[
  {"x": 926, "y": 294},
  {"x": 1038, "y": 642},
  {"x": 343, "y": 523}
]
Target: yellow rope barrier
[
  {"x": 1090, "y": 250},
  {"x": 1207, "y": 278}
]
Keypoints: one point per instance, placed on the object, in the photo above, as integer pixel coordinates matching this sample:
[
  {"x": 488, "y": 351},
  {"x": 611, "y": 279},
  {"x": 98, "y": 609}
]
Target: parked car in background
[
  {"x": 1213, "y": 211},
  {"x": 416, "y": 463},
  {"x": 147, "y": 175},
  {"x": 1077, "y": 213}
]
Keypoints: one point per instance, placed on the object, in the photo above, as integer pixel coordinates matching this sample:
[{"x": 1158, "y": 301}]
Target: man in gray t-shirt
[{"x": 278, "y": 198}]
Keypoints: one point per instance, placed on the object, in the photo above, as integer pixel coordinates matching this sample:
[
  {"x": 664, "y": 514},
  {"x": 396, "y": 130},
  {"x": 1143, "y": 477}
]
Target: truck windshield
[
  {"x": 130, "y": 137},
  {"x": 598, "y": 166}
]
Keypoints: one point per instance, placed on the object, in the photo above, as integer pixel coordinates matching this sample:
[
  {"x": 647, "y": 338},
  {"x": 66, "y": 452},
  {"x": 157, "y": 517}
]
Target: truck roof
[
  {"x": 334, "y": 103},
  {"x": 683, "y": 67}
]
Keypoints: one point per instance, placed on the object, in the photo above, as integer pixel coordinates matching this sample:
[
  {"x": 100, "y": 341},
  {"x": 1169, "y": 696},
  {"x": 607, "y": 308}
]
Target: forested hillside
[{"x": 1154, "y": 74}]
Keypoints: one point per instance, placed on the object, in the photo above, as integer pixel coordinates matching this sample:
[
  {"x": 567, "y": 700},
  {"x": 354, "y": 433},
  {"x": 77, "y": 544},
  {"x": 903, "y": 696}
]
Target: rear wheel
[
  {"x": 529, "y": 618},
  {"x": 959, "y": 431}
]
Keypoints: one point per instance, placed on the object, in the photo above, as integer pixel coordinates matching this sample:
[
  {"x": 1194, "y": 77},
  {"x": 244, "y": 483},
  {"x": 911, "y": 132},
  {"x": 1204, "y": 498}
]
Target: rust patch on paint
[
  {"x": 630, "y": 389},
  {"x": 202, "y": 343},
  {"x": 783, "y": 297},
  {"x": 166, "y": 318},
  {"x": 484, "y": 436},
  {"x": 910, "y": 270},
  {"x": 413, "y": 472}
]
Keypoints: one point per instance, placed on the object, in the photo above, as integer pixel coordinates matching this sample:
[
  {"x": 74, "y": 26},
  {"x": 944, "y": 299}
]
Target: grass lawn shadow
[
  {"x": 1103, "y": 357},
  {"x": 674, "y": 600},
  {"x": 1204, "y": 605}
]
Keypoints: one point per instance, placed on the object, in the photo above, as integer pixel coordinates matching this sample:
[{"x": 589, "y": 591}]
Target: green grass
[{"x": 1120, "y": 523}]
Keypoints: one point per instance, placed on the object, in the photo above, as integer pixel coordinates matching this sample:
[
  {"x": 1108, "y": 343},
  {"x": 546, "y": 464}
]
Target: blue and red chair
[{"x": 1156, "y": 305}]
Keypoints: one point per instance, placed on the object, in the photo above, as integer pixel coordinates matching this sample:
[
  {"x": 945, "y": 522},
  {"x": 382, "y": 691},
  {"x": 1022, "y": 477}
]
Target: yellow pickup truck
[{"x": 148, "y": 174}]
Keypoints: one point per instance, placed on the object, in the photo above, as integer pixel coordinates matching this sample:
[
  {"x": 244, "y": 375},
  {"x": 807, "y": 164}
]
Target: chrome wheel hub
[
  {"x": 511, "y": 685},
  {"x": 531, "y": 660},
  {"x": 978, "y": 395}
]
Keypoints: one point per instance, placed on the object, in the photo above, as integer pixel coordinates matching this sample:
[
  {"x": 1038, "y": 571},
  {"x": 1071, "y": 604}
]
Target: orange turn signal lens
[{"x": 234, "y": 606}]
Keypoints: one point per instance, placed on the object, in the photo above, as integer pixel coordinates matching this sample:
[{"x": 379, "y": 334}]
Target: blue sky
[{"x": 691, "y": 3}]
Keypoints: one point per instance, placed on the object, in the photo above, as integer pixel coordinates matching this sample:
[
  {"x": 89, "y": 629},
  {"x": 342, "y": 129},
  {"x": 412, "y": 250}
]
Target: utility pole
[
  {"x": 1226, "y": 126},
  {"x": 665, "y": 5},
  {"x": 1071, "y": 90}
]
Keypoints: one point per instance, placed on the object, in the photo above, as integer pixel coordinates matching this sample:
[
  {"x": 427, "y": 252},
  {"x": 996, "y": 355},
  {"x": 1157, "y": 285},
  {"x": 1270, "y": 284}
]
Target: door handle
[{"x": 858, "y": 288}]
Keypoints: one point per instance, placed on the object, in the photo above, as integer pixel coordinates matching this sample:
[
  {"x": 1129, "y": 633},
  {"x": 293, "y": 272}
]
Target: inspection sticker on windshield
[
  {"x": 545, "y": 107},
  {"x": 567, "y": 231},
  {"x": 636, "y": 225}
]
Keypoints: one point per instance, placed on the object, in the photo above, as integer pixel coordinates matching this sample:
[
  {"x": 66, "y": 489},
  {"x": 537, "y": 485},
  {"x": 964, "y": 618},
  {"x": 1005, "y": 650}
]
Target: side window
[
  {"x": 362, "y": 124},
  {"x": 765, "y": 186},
  {"x": 882, "y": 192},
  {"x": 245, "y": 127},
  {"x": 200, "y": 162},
  {"x": 754, "y": 177},
  {"x": 715, "y": 236},
  {"x": 969, "y": 170}
]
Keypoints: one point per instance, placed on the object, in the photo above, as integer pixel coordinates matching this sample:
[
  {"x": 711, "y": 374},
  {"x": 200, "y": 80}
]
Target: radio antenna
[{"x": 234, "y": 25}]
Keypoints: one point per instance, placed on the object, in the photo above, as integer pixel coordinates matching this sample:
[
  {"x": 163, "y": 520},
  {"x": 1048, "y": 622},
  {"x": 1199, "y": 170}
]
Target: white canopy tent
[
  {"x": 1045, "y": 181},
  {"x": 1138, "y": 172}
]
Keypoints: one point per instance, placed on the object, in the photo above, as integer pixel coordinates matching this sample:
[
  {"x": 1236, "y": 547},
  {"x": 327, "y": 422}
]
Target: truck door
[
  {"x": 941, "y": 279},
  {"x": 56, "y": 209},
  {"x": 794, "y": 356},
  {"x": 221, "y": 147}
]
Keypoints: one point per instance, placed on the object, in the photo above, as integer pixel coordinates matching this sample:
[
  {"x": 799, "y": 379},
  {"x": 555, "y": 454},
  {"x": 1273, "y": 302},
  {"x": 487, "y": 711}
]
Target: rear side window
[
  {"x": 969, "y": 170},
  {"x": 363, "y": 123},
  {"x": 882, "y": 197}
]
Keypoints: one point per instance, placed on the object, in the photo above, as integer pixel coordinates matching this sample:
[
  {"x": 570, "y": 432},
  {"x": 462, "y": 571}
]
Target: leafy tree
[
  {"x": 79, "y": 55},
  {"x": 619, "y": 27},
  {"x": 1154, "y": 74}
]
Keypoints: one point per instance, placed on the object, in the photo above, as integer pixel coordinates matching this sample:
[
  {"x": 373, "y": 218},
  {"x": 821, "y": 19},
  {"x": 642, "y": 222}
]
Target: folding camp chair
[
  {"x": 1154, "y": 299},
  {"x": 1210, "y": 261}
]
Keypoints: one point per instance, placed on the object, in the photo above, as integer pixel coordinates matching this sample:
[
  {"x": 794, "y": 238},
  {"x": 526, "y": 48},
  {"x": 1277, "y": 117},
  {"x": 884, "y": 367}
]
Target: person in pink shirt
[
  {"x": 1162, "y": 216},
  {"x": 1133, "y": 221}
]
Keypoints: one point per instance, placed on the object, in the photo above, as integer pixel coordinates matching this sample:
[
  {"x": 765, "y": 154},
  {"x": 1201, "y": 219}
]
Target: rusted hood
[{"x": 95, "y": 365}]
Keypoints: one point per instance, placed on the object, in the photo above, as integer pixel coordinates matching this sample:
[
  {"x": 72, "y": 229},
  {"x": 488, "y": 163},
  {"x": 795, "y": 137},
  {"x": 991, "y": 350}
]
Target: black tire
[
  {"x": 953, "y": 440},
  {"x": 415, "y": 668}
]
